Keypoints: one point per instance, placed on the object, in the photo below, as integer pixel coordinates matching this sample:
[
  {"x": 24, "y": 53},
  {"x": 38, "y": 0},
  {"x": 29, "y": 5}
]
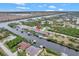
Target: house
[
  {"x": 23, "y": 46},
  {"x": 33, "y": 51},
  {"x": 30, "y": 50},
  {"x": 23, "y": 27}
]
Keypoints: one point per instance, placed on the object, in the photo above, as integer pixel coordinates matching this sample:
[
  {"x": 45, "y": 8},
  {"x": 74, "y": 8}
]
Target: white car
[
  {"x": 29, "y": 33},
  {"x": 40, "y": 36},
  {"x": 41, "y": 46},
  {"x": 64, "y": 54}
]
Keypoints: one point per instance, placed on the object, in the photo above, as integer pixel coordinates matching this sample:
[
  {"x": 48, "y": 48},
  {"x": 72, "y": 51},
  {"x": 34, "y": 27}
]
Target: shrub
[
  {"x": 13, "y": 25},
  {"x": 70, "y": 45}
]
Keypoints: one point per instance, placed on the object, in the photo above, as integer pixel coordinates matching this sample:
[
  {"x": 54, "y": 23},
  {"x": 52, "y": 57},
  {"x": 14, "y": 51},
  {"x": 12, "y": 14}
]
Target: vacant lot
[{"x": 11, "y": 16}]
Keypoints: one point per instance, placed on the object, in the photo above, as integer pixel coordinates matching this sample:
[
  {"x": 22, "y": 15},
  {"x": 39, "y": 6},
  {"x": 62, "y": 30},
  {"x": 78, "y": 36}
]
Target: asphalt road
[{"x": 45, "y": 43}]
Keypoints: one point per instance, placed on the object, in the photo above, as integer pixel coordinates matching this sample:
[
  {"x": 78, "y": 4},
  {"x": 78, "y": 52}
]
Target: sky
[{"x": 39, "y": 6}]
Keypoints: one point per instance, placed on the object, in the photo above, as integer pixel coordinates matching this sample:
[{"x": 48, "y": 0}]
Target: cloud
[
  {"x": 60, "y": 9},
  {"x": 21, "y": 7},
  {"x": 51, "y": 6},
  {"x": 49, "y": 10}
]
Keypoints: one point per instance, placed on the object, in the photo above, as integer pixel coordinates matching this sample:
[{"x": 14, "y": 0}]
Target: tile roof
[{"x": 23, "y": 45}]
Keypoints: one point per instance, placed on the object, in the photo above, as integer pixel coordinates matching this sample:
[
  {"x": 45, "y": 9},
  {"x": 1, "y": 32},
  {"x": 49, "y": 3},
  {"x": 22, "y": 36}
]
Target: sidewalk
[{"x": 6, "y": 50}]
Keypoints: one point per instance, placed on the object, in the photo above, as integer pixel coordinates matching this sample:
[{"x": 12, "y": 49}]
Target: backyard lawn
[{"x": 12, "y": 45}]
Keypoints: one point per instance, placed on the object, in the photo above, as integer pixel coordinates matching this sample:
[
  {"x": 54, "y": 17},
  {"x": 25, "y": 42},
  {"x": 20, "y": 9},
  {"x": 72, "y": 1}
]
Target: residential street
[
  {"x": 45, "y": 43},
  {"x": 52, "y": 46}
]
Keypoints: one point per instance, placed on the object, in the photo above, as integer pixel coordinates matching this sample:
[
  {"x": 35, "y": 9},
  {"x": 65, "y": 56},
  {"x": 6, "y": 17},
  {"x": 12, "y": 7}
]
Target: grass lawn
[
  {"x": 13, "y": 25},
  {"x": 29, "y": 23},
  {"x": 12, "y": 45}
]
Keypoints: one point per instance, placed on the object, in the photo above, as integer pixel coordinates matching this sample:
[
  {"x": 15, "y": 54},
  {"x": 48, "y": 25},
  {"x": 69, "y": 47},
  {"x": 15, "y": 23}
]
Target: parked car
[
  {"x": 17, "y": 29},
  {"x": 41, "y": 46},
  {"x": 34, "y": 41},
  {"x": 29, "y": 33},
  {"x": 36, "y": 35},
  {"x": 21, "y": 31},
  {"x": 42, "y": 37}
]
